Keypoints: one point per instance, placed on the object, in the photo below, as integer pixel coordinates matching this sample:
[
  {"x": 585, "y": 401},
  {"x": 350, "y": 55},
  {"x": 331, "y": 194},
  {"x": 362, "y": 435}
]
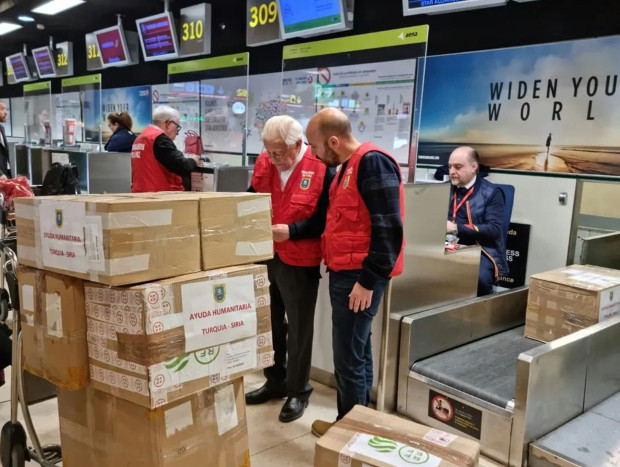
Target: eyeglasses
[
  {"x": 177, "y": 125},
  {"x": 279, "y": 154}
]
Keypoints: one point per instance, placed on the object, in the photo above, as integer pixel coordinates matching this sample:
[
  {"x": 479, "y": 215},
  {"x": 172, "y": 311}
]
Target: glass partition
[
  {"x": 78, "y": 111},
  {"x": 212, "y": 96},
  {"x": 370, "y": 77},
  {"x": 37, "y": 112}
]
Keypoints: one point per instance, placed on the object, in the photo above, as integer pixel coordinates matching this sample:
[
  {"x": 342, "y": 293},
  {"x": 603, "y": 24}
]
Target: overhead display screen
[
  {"x": 112, "y": 47},
  {"x": 311, "y": 17},
  {"x": 20, "y": 69},
  {"x": 157, "y": 37},
  {"x": 44, "y": 60},
  {"x": 419, "y": 7}
]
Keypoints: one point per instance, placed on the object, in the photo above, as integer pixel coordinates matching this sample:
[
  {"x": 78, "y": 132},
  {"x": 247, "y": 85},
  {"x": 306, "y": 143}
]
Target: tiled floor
[{"x": 272, "y": 444}]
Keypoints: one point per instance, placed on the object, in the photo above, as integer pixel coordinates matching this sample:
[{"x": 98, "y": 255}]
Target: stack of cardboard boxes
[{"x": 145, "y": 311}]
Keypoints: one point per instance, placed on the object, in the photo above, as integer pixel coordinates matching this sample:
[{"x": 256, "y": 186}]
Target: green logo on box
[
  {"x": 382, "y": 445},
  {"x": 412, "y": 455}
]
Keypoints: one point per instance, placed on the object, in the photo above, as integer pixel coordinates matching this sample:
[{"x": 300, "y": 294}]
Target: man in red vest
[
  {"x": 362, "y": 248},
  {"x": 156, "y": 163},
  {"x": 299, "y": 186}
]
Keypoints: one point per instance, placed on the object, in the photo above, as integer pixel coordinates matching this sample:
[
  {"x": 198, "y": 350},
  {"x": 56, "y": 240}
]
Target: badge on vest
[
  {"x": 346, "y": 181},
  {"x": 305, "y": 183}
]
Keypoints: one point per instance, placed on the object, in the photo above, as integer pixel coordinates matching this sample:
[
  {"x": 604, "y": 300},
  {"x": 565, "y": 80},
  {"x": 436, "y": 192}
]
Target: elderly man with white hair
[
  {"x": 156, "y": 163},
  {"x": 299, "y": 186}
]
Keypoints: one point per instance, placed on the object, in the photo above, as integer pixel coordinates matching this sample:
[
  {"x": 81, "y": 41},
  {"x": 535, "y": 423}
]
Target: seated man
[{"x": 476, "y": 216}]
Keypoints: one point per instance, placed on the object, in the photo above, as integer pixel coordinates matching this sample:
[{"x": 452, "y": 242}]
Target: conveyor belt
[
  {"x": 592, "y": 439},
  {"x": 486, "y": 369}
]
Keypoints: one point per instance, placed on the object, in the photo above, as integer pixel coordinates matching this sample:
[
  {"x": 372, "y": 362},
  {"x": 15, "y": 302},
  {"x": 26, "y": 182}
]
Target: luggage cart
[{"x": 14, "y": 451}]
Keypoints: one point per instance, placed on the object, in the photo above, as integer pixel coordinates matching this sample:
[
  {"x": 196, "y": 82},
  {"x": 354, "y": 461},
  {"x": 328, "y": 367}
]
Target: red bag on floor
[{"x": 193, "y": 143}]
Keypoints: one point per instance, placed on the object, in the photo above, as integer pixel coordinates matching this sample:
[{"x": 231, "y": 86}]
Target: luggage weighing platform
[{"x": 467, "y": 368}]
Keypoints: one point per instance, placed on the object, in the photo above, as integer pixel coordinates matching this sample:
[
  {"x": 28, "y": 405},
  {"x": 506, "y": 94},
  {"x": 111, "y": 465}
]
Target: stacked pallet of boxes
[{"x": 146, "y": 312}]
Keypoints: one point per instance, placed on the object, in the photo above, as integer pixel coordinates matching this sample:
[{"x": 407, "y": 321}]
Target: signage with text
[{"x": 195, "y": 32}]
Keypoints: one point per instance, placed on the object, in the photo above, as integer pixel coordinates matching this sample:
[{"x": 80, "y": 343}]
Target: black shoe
[
  {"x": 264, "y": 394},
  {"x": 293, "y": 409}
]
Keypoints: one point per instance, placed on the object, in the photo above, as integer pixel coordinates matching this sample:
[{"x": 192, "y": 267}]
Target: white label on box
[
  {"x": 254, "y": 248},
  {"x": 385, "y": 450},
  {"x": 226, "y": 409},
  {"x": 240, "y": 356},
  {"x": 93, "y": 234},
  {"x": 62, "y": 235},
  {"x": 178, "y": 418},
  {"x": 610, "y": 303},
  {"x": 440, "y": 438},
  {"x": 53, "y": 312},
  {"x": 570, "y": 271},
  {"x": 246, "y": 208},
  {"x": 27, "y": 297},
  {"x": 218, "y": 311}
]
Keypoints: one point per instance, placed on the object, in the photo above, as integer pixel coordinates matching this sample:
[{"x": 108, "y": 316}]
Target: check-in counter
[
  {"x": 33, "y": 162},
  {"x": 109, "y": 172}
]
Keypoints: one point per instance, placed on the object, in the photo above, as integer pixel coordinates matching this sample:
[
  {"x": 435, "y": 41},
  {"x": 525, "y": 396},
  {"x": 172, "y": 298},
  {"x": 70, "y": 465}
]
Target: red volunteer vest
[
  {"x": 298, "y": 201},
  {"x": 346, "y": 239},
  {"x": 147, "y": 174}
]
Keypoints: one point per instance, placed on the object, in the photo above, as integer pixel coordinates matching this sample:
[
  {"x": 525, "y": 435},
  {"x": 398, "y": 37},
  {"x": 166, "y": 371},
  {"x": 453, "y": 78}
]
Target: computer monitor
[
  {"x": 45, "y": 62},
  {"x": 21, "y": 72},
  {"x": 420, "y": 7},
  {"x": 158, "y": 37},
  {"x": 302, "y": 19},
  {"x": 112, "y": 46}
]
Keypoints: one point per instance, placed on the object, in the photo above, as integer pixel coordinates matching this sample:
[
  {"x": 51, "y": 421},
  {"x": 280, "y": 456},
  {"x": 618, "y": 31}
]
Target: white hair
[
  {"x": 283, "y": 127},
  {"x": 163, "y": 113}
]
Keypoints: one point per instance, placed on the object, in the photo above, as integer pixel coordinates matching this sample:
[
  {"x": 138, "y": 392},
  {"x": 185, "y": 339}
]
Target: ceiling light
[
  {"x": 25, "y": 18},
  {"x": 56, "y": 6},
  {"x": 6, "y": 28}
]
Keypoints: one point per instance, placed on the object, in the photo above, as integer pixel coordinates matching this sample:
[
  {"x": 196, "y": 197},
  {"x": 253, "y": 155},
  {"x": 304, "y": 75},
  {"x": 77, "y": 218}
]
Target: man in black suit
[{"x": 5, "y": 168}]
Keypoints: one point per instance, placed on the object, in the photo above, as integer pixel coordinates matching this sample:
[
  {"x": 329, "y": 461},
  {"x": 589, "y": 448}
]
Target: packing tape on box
[
  {"x": 110, "y": 357},
  {"x": 254, "y": 248},
  {"x": 254, "y": 206},
  {"x": 136, "y": 219}
]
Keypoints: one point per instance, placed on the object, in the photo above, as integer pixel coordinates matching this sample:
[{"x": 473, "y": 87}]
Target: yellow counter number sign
[
  {"x": 266, "y": 13},
  {"x": 193, "y": 30},
  {"x": 62, "y": 60},
  {"x": 93, "y": 52}
]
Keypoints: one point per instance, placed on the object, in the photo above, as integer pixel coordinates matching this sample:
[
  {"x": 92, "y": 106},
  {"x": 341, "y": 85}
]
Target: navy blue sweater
[{"x": 120, "y": 141}]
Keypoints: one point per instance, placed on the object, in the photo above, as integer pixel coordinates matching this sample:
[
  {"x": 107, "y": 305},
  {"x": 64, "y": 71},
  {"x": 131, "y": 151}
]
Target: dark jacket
[
  {"x": 487, "y": 206},
  {"x": 120, "y": 141},
  {"x": 4, "y": 155}
]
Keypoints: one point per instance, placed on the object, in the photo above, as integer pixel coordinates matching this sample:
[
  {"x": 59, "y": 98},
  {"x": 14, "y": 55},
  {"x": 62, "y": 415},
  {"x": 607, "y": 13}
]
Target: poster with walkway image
[{"x": 544, "y": 108}]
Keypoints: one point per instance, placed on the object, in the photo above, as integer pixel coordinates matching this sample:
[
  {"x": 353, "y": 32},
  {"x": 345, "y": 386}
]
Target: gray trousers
[{"x": 293, "y": 292}]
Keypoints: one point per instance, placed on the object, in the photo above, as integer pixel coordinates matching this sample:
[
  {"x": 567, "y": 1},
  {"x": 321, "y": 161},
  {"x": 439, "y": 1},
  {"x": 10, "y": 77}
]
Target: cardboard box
[
  {"x": 568, "y": 299},
  {"x": 53, "y": 322},
  {"x": 235, "y": 228},
  {"x": 157, "y": 342},
  {"x": 206, "y": 429},
  {"x": 112, "y": 239},
  {"x": 365, "y": 437}
]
